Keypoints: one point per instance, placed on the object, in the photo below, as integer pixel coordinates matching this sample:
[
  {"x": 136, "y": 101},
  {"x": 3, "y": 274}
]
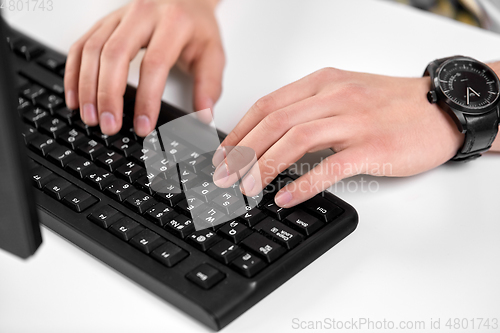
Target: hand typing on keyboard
[
  {"x": 173, "y": 31},
  {"x": 370, "y": 121}
]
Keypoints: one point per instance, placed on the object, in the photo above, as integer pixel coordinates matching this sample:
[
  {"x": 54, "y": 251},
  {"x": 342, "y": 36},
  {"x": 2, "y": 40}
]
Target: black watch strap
[{"x": 481, "y": 131}]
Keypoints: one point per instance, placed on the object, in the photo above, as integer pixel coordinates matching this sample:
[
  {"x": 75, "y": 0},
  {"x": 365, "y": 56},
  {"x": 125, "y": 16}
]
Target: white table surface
[{"x": 426, "y": 246}]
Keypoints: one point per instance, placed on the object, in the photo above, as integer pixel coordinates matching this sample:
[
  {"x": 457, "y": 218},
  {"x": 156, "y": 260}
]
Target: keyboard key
[
  {"x": 110, "y": 160},
  {"x": 100, "y": 178},
  {"x": 79, "y": 200},
  {"x": 35, "y": 116},
  {"x": 209, "y": 218},
  {"x": 194, "y": 161},
  {"x": 61, "y": 156},
  {"x": 27, "y": 49},
  {"x": 276, "y": 211},
  {"x": 105, "y": 216},
  {"x": 49, "y": 102},
  {"x": 203, "y": 239},
  {"x": 84, "y": 128},
  {"x": 81, "y": 167},
  {"x": 264, "y": 247},
  {"x": 41, "y": 176},
  {"x": 170, "y": 198},
  {"x": 235, "y": 231},
  {"x": 169, "y": 254},
  {"x": 22, "y": 103},
  {"x": 282, "y": 234},
  {"x": 248, "y": 264},
  {"x": 181, "y": 226},
  {"x": 175, "y": 151},
  {"x": 225, "y": 251},
  {"x": 91, "y": 149},
  {"x": 144, "y": 184},
  {"x": 58, "y": 188},
  {"x": 230, "y": 204},
  {"x": 322, "y": 208},
  {"x": 140, "y": 202},
  {"x": 53, "y": 127},
  {"x": 207, "y": 191},
  {"x": 32, "y": 91},
  {"x": 42, "y": 144},
  {"x": 143, "y": 155},
  {"x": 161, "y": 214},
  {"x": 188, "y": 179},
  {"x": 51, "y": 62},
  {"x": 66, "y": 114},
  {"x": 130, "y": 171},
  {"x": 125, "y": 146},
  {"x": 125, "y": 228},
  {"x": 303, "y": 222},
  {"x": 147, "y": 241},
  {"x": 103, "y": 138},
  {"x": 191, "y": 206},
  {"x": 72, "y": 138},
  {"x": 252, "y": 216},
  {"x": 120, "y": 190},
  {"x": 29, "y": 133},
  {"x": 206, "y": 276}
]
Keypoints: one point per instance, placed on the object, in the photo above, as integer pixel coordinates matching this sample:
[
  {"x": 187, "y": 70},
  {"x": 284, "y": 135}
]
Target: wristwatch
[{"x": 468, "y": 91}]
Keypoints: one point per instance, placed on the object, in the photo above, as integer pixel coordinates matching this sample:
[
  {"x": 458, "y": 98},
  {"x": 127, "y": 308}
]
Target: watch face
[{"x": 469, "y": 84}]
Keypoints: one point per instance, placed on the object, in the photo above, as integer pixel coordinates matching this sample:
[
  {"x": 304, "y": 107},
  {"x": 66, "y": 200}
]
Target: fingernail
[
  {"x": 70, "y": 99},
  {"x": 247, "y": 184},
  {"x": 283, "y": 198},
  {"x": 142, "y": 125},
  {"x": 221, "y": 175},
  {"x": 107, "y": 122},
  {"x": 90, "y": 114}
]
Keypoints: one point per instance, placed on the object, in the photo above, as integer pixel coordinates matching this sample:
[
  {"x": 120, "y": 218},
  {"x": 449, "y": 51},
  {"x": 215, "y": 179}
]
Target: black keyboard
[{"x": 95, "y": 190}]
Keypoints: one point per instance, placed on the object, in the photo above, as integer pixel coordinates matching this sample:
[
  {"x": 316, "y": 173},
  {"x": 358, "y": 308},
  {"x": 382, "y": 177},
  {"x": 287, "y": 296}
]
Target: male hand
[
  {"x": 370, "y": 121},
  {"x": 183, "y": 31}
]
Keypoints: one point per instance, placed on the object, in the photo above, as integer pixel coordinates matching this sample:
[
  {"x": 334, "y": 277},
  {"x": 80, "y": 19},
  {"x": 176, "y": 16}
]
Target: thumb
[{"x": 208, "y": 79}]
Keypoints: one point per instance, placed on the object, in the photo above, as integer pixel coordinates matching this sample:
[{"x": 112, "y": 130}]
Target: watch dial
[{"x": 468, "y": 83}]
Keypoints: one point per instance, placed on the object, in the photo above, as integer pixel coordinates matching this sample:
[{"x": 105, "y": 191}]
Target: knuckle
[
  {"x": 275, "y": 121},
  {"x": 264, "y": 105},
  {"x": 328, "y": 73},
  {"x": 300, "y": 136},
  {"x": 176, "y": 12},
  {"x": 113, "y": 49},
  {"x": 154, "y": 61},
  {"x": 92, "y": 45}
]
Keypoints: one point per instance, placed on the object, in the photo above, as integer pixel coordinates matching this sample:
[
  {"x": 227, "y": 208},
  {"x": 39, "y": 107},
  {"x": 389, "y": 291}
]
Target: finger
[
  {"x": 122, "y": 46},
  {"x": 89, "y": 71},
  {"x": 72, "y": 69},
  {"x": 208, "y": 71},
  {"x": 304, "y": 88},
  {"x": 155, "y": 67},
  {"x": 344, "y": 164},
  {"x": 291, "y": 147}
]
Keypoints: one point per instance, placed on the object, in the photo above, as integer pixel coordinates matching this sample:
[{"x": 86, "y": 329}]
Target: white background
[{"x": 426, "y": 246}]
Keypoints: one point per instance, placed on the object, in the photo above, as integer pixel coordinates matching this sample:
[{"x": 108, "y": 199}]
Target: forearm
[{"x": 496, "y": 144}]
